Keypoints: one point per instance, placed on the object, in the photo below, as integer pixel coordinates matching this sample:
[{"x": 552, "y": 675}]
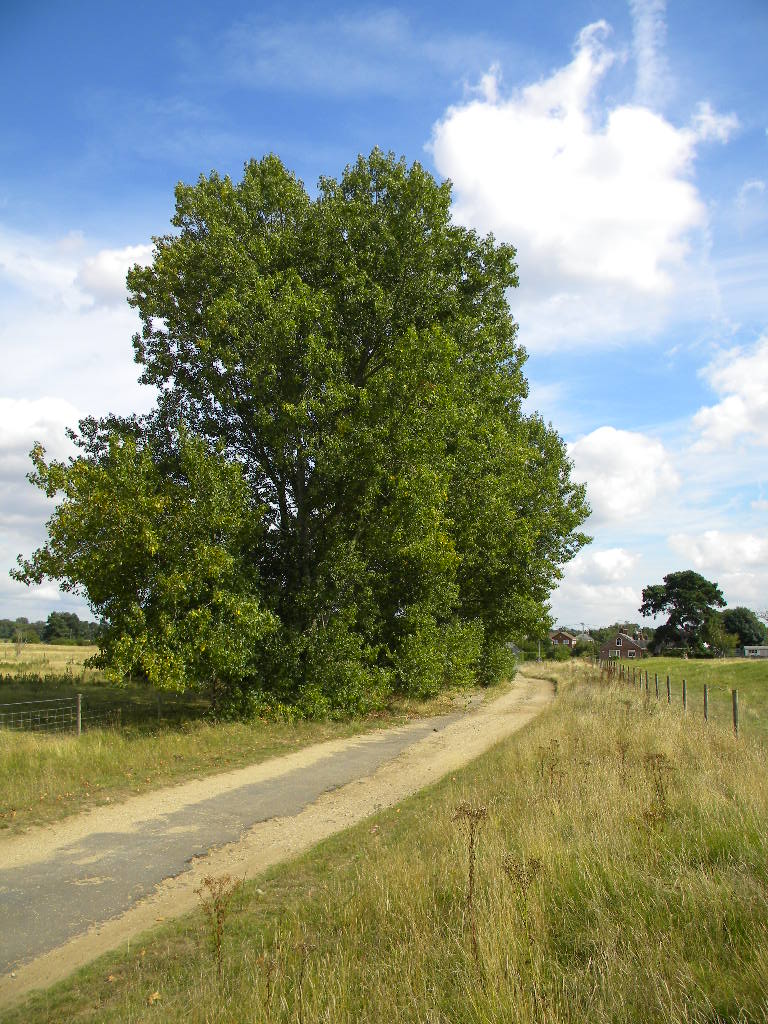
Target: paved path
[{"x": 73, "y": 890}]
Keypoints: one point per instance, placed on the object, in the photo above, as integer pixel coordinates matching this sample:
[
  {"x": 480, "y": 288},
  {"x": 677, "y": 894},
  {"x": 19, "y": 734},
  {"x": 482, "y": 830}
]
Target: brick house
[
  {"x": 622, "y": 645},
  {"x": 562, "y": 638}
]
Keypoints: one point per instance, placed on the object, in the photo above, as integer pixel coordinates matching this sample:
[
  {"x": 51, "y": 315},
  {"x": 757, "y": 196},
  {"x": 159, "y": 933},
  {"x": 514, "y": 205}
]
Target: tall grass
[
  {"x": 48, "y": 660},
  {"x": 621, "y": 874},
  {"x": 721, "y": 675},
  {"x": 47, "y": 777},
  {"x": 43, "y": 777}
]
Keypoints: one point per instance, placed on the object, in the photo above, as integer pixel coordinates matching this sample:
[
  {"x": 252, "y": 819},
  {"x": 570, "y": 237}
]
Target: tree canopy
[
  {"x": 67, "y": 626},
  {"x": 692, "y": 602},
  {"x": 745, "y": 625},
  {"x": 337, "y": 493}
]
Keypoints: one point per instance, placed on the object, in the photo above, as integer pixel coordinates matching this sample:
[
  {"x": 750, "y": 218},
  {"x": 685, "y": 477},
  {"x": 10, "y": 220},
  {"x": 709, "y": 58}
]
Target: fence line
[
  {"x": 616, "y": 670},
  {"x": 52, "y": 700},
  {"x": 59, "y": 714}
]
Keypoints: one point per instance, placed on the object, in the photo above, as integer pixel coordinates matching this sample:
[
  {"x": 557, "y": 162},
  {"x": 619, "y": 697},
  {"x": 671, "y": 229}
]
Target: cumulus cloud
[
  {"x": 722, "y": 551},
  {"x": 65, "y": 334},
  {"x": 24, "y": 508},
  {"x": 41, "y": 419},
  {"x": 598, "y": 587},
  {"x": 599, "y": 202},
  {"x": 42, "y": 268},
  {"x": 65, "y": 272},
  {"x": 595, "y": 604},
  {"x": 619, "y": 468},
  {"x": 103, "y": 276},
  {"x": 609, "y": 565},
  {"x": 740, "y": 376}
]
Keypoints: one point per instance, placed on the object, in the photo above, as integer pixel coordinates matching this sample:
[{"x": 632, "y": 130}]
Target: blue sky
[{"x": 621, "y": 146}]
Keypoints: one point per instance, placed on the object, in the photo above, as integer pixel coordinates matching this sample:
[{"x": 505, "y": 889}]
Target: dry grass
[
  {"x": 621, "y": 874},
  {"x": 47, "y": 777},
  {"x": 44, "y": 778},
  {"x": 48, "y": 660}
]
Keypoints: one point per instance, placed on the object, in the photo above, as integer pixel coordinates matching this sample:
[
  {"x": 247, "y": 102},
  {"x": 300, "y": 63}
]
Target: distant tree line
[{"x": 58, "y": 628}]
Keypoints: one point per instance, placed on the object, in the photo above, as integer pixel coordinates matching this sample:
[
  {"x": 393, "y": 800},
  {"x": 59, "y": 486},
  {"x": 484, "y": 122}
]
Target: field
[
  {"x": 163, "y": 738},
  {"x": 620, "y": 874},
  {"x": 749, "y": 677},
  {"x": 48, "y": 660}
]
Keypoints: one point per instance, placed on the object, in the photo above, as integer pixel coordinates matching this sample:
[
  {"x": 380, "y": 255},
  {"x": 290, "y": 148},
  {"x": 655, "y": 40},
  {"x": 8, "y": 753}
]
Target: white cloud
[
  {"x": 103, "y": 276},
  {"x": 599, "y": 202},
  {"x": 755, "y": 186},
  {"x": 64, "y": 272},
  {"x": 648, "y": 38},
  {"x": 599, "y": 587},
  {"x": 740, "y": 375},
  {"x": 624, "y": 472},
  {"x": 65, "y": 334},
  {"x": 82, "y": 356},
  {"x": 609, "y": 565},
  {"x": 40, "y": 419},
  {"x": 595, "y": 604},
  {"x": 722, "y": 551},
  {"x": 24, "y": 508},
  {"x": 42, "y": 268},
  {"x": 736, "y": 560},
  {"x": 709, "y": 126}
]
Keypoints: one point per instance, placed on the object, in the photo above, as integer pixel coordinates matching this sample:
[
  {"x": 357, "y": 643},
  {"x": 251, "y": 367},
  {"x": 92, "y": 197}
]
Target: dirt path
[{"x": 75, "y": 890}]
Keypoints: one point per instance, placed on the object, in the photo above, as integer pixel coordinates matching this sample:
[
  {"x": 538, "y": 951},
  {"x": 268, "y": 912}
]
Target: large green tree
[
  {"x": 691, "y": 602},
  {"x": 745, "y": 624},
  {"x": 354, "y": 357}
]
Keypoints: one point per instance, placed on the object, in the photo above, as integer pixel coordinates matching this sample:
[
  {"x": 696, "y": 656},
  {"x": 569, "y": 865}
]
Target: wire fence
[
  {"x": 662, "y": 689},
  {"x": 59, "y": 714}
]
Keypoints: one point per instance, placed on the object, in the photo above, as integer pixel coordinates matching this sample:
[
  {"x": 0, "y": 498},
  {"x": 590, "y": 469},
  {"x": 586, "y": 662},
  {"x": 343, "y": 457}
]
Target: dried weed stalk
[
  {"x": 216, "y": 896},
  {"x": 660, "y": 768},
  {"x": 470, "y": 819}
]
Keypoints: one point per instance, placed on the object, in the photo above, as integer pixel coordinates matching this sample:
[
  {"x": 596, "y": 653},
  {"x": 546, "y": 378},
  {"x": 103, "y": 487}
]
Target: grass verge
[
  {"x": 620, "y": 874},
  {"x": 44, "y": 778}
]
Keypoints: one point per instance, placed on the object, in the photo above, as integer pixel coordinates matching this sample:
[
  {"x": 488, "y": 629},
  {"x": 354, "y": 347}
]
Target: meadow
[
  {"x": 607, "y": 864},
  {"x": 52, "y": 660},
  {"x": 721, "y": 675}
]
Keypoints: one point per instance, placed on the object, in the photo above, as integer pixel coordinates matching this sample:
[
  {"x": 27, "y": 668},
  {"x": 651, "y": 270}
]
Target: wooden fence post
[
  {"x": 685, "y": 697},
  {"x": 669, "y": 691},
  {"x": 656, "y": 681},
  {"x": 79, "y": 713},
  {"x": 646, "y": 680},
  {"x": 735, "y": 699},
  {"x": 706, "y": 703}
]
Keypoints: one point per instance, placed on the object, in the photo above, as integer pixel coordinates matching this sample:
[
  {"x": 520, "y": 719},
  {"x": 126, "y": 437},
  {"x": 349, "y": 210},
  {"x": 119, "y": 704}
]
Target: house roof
[
  {"x": 626, "y": 636},
  {"x": 562, "y": 632}
]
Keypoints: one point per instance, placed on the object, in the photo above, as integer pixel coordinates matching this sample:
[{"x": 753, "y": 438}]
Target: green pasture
[{"x": 721, "y": 676}]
